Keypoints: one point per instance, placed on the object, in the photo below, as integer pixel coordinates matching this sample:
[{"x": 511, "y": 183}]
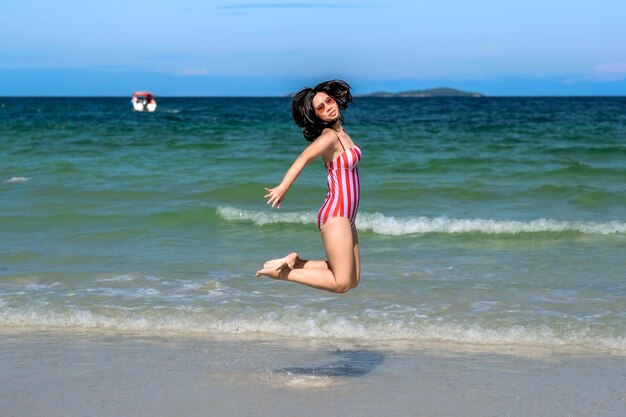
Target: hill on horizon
[{"x": 432, "y": 92}]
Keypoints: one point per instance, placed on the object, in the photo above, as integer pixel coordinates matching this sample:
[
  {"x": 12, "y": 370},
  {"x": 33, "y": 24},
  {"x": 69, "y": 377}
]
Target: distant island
[{"x": 433, "y": 92}]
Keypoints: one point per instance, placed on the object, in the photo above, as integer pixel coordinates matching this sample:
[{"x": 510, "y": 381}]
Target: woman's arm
[{"x": 320, "y": 145}]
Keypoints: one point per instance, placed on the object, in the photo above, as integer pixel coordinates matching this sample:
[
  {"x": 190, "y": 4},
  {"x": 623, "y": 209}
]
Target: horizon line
[{"x": 289, "y": 96}]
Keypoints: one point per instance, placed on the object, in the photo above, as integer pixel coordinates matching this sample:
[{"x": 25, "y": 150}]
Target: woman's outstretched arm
[{"x": 276, "y": 195}]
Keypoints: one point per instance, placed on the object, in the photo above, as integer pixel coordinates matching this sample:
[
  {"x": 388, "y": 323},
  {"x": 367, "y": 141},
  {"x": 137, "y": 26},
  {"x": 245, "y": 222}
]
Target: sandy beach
[{"x": 100, "y": 374}]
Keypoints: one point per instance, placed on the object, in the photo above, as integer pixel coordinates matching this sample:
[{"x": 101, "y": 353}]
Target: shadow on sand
[{"x": 349, "y": 363}]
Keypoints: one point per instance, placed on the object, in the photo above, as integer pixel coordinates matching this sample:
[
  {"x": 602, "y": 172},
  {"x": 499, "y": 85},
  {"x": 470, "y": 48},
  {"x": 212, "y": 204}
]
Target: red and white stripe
[{"x": 344, "y": 187}]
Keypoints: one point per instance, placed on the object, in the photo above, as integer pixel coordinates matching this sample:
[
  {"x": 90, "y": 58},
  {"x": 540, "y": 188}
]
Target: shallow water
[{"x": 488, "y": 221}]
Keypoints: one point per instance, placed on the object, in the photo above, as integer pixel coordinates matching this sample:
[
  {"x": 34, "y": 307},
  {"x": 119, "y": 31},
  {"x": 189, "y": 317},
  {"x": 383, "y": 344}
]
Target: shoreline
[
  {"x": 94, "y": 373},
  {"x": 400, "y": 345}
]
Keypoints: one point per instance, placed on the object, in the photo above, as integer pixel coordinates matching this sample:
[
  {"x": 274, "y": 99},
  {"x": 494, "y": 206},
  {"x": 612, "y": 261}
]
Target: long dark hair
[{"x": 303, "y": 112}]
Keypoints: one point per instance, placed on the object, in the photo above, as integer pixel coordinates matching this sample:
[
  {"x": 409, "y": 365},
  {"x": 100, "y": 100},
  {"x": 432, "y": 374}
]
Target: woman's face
[{"x": 325, "y": 107}]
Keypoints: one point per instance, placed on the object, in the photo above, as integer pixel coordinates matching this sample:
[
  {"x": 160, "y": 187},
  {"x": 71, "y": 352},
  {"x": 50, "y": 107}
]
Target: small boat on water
[{"x": 143, "y": 101}]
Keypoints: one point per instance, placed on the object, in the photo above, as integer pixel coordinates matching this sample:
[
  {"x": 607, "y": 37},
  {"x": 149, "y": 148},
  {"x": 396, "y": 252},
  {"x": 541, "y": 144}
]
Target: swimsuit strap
[{"x": 344, "y": 149}]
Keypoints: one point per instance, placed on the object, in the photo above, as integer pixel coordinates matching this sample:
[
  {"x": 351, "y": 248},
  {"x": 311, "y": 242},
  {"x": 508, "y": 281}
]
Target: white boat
[{"x": 143, "y": 101}]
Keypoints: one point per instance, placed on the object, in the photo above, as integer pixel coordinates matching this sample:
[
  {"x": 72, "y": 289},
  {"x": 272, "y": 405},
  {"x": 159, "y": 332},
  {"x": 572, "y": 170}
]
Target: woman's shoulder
[
  {"x": 335, "y": 138},
  {"x": 328, "y": 136},
  {"x": 325, "y": 142}
]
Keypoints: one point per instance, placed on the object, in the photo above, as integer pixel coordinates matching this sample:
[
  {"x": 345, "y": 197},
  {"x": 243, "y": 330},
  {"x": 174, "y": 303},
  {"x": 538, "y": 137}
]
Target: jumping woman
[{"x": 317, "y": 112}]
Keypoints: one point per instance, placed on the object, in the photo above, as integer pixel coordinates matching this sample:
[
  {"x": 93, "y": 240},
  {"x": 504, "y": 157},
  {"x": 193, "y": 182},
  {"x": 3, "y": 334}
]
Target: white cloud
[
  {"x": 611, "y": 68},
  {"x": 194, "y": 71}
]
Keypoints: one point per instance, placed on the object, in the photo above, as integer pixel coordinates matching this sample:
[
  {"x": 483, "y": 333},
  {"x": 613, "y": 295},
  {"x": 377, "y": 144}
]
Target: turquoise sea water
[{"x": 487, "y": 221}]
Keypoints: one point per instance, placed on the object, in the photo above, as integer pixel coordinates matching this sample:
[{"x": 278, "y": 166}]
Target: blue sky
[{"x": 258, "y": 48}]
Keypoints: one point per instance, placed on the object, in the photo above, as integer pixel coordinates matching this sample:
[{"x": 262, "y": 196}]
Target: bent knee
[
  {"x": 345, "y": 286},
  {"x": 341, "y": 289}
]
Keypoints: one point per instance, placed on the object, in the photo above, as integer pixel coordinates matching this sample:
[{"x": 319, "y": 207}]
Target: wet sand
[{"x": 98, "y": 374}]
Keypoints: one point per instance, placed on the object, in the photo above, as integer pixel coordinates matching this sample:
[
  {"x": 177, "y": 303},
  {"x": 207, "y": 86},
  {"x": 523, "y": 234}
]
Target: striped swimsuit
[{"x": 344, "y": 187}]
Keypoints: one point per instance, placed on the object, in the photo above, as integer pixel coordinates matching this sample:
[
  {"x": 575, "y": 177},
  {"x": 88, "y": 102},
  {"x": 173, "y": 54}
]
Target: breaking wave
[
  {"x": 397, "y": 226},
  {"x": 321, "y": 324}
]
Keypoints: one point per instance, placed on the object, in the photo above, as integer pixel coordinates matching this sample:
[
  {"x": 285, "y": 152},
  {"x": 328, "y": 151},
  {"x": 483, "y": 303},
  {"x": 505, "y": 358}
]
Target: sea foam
[
  {"x": 318, "y": 325},
  {"x": 398, "y": 226},
  {"x": 16, "y": 180}
]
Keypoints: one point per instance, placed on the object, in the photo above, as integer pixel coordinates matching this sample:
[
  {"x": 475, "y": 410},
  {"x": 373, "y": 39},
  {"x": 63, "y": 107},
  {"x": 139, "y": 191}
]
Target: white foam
[
  {"x": 262, "y": 218},
  {"x": 320, "y": 325},
  {"x": 304, "y": 381},
  {"x": 398, "y": 226},
  {"x": 16, "y": 180}
]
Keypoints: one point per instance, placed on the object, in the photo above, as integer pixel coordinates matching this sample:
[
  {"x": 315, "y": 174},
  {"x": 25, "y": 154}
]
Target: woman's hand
[{"x": 275, "y": 195}]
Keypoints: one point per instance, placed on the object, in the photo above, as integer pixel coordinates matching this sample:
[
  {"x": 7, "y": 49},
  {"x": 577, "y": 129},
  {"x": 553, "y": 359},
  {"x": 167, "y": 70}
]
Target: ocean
[{"x": 483, "y": 221}]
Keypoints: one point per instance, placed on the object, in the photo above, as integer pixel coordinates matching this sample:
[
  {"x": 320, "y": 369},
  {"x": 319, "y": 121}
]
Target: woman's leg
[
  {"x": 342, "y": 271},
  {"x": 357, "y": 254},
  {"x": 293, "y": 261}
]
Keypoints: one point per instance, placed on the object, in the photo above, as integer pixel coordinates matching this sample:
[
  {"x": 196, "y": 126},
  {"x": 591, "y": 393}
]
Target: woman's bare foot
[
  {"x": 279, "y": 271},
  {"x": 290, "y": 260}
]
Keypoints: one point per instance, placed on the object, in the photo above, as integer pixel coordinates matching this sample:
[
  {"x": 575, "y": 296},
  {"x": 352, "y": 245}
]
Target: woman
[{"x": 317, "y": 112}]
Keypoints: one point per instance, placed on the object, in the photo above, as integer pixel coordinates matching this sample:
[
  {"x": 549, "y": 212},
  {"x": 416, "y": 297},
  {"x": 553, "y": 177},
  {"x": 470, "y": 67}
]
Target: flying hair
[{"x": 303, "y": 112}]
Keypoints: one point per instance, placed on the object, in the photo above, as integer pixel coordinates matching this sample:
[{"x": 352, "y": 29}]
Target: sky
[{"x": 272, "y": 48}]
